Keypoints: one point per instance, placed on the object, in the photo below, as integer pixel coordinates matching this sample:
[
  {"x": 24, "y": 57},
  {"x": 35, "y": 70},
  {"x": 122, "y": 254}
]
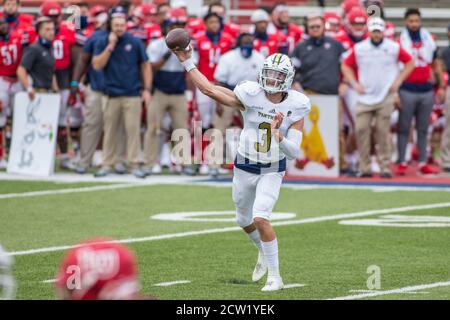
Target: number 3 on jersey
[{"x": 264, "y": 147}]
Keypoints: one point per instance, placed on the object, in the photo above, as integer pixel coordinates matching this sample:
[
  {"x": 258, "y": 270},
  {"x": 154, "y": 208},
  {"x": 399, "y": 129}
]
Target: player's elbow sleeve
[{"x": 290, "y": 145}]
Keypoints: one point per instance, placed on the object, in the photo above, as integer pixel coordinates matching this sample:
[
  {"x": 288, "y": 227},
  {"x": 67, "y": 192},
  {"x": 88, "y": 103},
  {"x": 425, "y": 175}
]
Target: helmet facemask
[{"x": 276, "y": 75}]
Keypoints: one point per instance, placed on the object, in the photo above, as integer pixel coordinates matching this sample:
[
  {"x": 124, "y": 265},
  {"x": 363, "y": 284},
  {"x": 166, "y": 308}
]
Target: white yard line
[
  {"x": 394, "y": 291},
  {"x": 293, "y": 285},
  {"x": 171, "y": 283},
  {"x": 373, "y": 291},
  {"x": 66, "y": 191},
  {"x": 200, "y": 181},
  {"x": 49, "y": 281},
  {"x": 229, "y": 229}
]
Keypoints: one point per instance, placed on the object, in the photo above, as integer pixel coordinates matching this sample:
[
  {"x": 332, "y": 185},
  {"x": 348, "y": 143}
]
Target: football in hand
[{"x": 178, "y": 39}]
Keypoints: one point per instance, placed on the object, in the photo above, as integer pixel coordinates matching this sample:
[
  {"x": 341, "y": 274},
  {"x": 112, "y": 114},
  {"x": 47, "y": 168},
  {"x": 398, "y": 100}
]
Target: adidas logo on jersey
[{"x": 273, "y": 111}]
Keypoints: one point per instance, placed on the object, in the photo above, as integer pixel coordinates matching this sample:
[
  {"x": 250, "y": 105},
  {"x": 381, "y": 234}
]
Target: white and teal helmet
[
  {"x": 277, "y": 73},
  {"x": 7, "y": 283}
]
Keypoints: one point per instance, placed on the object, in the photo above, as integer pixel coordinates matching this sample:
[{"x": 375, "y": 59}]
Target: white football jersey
[{"x": 256, "y": 143}]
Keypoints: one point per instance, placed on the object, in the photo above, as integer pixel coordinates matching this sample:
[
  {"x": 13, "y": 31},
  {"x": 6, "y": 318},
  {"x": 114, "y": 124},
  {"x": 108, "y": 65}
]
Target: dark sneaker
[
  {"x": 102, "y": 172},
  {"x": 138, "y": 173},
  {"x": 365, "y": 175},
  {"x": 213, "y": 173},
  {"x": 81, "y": 169},
  {"x": 120, "y": 168},
  {"x": 189, "y": 171},
  {"x": 147, "y": 171},
  {"x": 386, "y": 175}
]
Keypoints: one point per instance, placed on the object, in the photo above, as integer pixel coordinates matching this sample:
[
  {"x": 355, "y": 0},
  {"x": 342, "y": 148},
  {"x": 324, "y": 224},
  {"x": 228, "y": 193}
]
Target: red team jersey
[
  {"x": 153, "y": 31},
  {"x": 23, "y": 28},
  {"x": 197, "y": 25},
  {"x": 422, "y": 72},
  {"x": 10, "y": 55},
  {"x": 389, "y": 31},
  {"x": 65, "y": 39},
  {"x": 194, "y": 26},
  {"x": 270, "y": 46},
  {"x": 346, "y": 40},
  {"x": 291, "y": 36},
  {"x": 210, "y": 53}
]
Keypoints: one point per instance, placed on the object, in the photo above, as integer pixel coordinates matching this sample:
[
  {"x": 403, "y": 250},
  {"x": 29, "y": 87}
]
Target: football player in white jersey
[{"x": 273, "y": 123}]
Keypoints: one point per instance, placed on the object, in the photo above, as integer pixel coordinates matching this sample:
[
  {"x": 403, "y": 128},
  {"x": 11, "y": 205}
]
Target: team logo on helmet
[{"x": 277, "y": 73}]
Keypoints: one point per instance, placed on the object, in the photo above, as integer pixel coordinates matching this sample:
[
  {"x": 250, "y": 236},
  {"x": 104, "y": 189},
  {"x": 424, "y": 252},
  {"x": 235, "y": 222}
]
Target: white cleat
[
  {"x": 260, "y": 268},
  {"x": 273, "y": 284}
]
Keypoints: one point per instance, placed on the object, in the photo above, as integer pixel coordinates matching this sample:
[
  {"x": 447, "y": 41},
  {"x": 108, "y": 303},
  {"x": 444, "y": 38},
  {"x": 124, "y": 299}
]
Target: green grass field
[{"x": 330, "y": 259}]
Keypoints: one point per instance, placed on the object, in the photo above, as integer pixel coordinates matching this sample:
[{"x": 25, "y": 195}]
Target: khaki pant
[
  {"x": 365, "y": 115},
  {"x": 445, "y": 144},
  {"x": 176, "y": 106},
  {"x": 92, "y": 128},
  {"x": 115, "y": 111}
]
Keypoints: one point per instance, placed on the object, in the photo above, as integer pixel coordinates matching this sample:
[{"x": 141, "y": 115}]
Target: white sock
[
  {"x": 254, "y": 236},
  {"x": 270, "y": 250}
]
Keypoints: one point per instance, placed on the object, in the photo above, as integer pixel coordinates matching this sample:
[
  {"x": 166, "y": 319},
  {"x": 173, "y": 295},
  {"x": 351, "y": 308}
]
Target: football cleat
[
  {"x": 427, "y": 169},
  {"x": 260, "y": 268},
  {"x": 273, "y": 284},
  {"x": 402, "y": 168}
]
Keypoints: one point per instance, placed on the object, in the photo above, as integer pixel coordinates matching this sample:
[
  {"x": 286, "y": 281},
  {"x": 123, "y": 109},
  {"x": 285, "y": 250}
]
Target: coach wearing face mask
[
  {"x": 317, "y": 60},
  {"x": 239, "y": 64}
]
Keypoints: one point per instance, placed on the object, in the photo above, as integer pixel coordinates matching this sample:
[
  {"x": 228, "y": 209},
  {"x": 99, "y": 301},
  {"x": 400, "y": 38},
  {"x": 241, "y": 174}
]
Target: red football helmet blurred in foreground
[{"x": 98, "y": 269}]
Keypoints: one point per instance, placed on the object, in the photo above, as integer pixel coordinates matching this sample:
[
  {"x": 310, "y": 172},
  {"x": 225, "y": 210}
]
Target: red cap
[
  {"x": 50, "y": 9},
  {"x": 177, "y": 15},
  {"x": 98, "y": 269},
  {"x": 145, "y": 9},
  {"x": 95, "y": 10},
  {"x": 331, "y": 17},
  {"x": 348, "y": 5},
  {"x": 357, "y": 15}
]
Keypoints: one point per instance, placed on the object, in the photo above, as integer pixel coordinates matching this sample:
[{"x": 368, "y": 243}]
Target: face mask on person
[
  {"x": 83, "y": 22},
  {"x": 246, "y": 50},
  {"x": 45, "y": 43},
  {"x": 10, "y": 18}
]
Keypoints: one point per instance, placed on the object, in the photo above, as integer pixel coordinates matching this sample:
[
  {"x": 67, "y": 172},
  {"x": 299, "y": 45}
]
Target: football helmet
[
  {"x": 98, "y": 269},
  {"x": 276, "y": 74},
  {"x": 50, "y": 9}
]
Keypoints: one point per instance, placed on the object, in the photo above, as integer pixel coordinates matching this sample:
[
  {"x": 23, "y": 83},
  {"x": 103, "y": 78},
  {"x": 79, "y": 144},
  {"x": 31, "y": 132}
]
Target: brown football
[{"x": 178, "y": 39}]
